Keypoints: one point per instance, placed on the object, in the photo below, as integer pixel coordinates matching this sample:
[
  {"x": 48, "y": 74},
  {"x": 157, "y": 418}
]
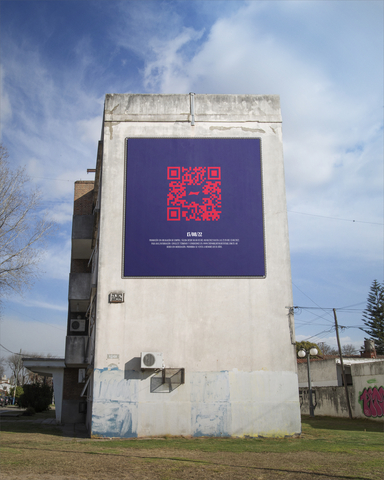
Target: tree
[
  {"x": 373, "y": 316},
  {"x": 2, "y": 369},
  {"x": 349, "y": 349},
  {"x": 307, "y": 346},
  {"x": 22, "y": 227},
  {"x": 37, "y": 396},
  {"x": 21, "y": 374},
  {"x": 15, "y": 364},
  {"x": 19, "y": 392},
  {"x": 327, "y": 349}
]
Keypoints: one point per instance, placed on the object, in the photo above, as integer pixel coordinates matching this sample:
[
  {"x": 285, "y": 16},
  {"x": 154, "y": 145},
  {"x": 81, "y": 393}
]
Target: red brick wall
[
  {"x": 72, "y": 388},
  {"x": 83, "y": 201}
]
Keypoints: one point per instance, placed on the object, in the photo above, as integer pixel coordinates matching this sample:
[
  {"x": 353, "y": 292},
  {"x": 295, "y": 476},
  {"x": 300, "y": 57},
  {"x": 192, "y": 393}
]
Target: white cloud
[
  {"x": 159, "y": 74},
  {"x": 323, "y": 58},
  {"x": 90, "y": 129},
  {"x": 331, "y": 340},
  {"x": 28, "y": 302},
  {"x": 6, "y": 109},
  {"x": 55, "y": 260},
  {"x": 60, "y": 213},
  {"x": 332, "y": 128},
  {"x": 55, "y": 123}
]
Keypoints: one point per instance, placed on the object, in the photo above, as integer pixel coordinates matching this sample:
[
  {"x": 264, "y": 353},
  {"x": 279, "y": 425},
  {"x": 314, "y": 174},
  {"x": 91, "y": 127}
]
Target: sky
[{"x": 324, "y": 58}]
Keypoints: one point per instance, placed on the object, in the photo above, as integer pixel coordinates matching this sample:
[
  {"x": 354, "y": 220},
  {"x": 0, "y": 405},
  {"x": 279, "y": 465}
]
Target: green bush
[
  {"x": 29, "y": 411},
  {"x": 37, "y": 396},
  {"x": 19, "y": 392}
]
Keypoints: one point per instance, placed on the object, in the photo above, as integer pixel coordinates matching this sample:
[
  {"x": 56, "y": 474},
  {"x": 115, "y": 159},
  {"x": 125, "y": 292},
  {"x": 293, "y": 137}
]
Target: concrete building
[
  {"x": 180, "y": 285},
  {"x": 365, "y": 380},
  {"x": 5, "y": 385}
]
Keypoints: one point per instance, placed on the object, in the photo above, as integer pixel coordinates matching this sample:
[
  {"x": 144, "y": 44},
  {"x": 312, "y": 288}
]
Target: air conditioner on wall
[
  {"x": 77, "y": 325},
  {"x": 152, "y": 360}
]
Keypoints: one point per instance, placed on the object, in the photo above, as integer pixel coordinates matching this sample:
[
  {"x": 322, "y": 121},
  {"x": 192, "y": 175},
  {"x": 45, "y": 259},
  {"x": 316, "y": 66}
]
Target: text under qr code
[{"x": 194, "y": 193}]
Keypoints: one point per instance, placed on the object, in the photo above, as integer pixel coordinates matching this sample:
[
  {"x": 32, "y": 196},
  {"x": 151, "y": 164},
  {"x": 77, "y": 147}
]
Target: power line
[
  {"x": 308, "y": 298},
  {"x": 354, "y": 305},
  {"x": 335, "y": 218},
  {"x": 343, "y": 309},
  {"x": 54, "y": 179},
  {"x": 320, "y": 333},
  {"x": 39, "y": 321},
  {"x": 2, "y": 346}
]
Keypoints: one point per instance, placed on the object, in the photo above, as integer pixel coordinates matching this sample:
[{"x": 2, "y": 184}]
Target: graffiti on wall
[{"x": 372, "y": 401}]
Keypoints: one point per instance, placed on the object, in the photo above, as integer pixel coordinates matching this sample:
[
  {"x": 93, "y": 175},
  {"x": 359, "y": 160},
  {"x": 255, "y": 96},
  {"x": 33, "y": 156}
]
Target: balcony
[
  {"x": 77, "y": 351},
  {"x": 79, "y": 286},
  {"x": 82, "y": 230}
]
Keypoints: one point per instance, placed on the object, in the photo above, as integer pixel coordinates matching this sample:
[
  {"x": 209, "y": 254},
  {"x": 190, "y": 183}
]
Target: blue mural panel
[{"x": 194, "y": 208}]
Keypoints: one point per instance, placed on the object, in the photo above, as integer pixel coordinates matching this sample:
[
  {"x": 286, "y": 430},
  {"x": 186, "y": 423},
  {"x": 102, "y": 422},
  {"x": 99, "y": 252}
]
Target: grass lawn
[{"x": 329, "y": 448}]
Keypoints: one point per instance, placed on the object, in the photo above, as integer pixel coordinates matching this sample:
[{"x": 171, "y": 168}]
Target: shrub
[
  {"x": 37, "y": 396},
  {"x": 29, "y": 411},
  {"x": 19, "y": 392}
]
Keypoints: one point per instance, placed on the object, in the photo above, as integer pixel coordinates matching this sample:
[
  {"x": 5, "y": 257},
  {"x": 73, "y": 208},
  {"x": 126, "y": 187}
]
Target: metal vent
[
  {"x": 152, "y": 360},
  {"x": 77, "y": 325},
  {"x": 149, "y": 360}
]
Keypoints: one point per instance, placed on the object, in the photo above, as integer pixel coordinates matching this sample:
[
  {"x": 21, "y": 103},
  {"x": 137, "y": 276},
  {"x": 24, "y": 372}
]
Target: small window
[{"x": 81, "y": 378}]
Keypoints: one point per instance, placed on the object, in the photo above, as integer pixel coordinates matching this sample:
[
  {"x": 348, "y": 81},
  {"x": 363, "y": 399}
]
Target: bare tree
[
  {"x": 22, "y": 227},
  {"x": 32, "y": 377},
  {"x": 21, "y": 374},
  {"x": 2, "y": 368},
  {"x": 327, "y": 349},
  {"x": 15, "y": 364},
  {"x": 349, "y": 349}
]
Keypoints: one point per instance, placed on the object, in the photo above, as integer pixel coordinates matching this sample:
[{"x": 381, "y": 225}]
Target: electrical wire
[
  {"x": 39, "y": 321},
  {"x": 320, "y": 333},
  {"x": 2, "y": 346},
  {"x": 335, "y": 218},
  {"x": 308, "y": 298}
]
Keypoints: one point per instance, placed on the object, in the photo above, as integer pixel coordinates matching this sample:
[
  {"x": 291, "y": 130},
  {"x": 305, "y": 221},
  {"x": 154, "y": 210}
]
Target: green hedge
[
  {"x": 36, "y": 396},
  {"x": 19, "y": 392}
]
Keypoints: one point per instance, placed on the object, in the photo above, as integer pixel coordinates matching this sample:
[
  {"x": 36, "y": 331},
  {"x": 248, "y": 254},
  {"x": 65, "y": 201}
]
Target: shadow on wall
[
  {"x": 162, "y": 381},
  {"x": 132, "y": 370}
]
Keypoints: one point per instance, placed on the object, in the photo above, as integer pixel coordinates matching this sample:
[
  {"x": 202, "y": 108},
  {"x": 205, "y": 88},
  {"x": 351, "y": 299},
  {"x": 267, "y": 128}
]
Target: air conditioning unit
[
  {"x": 77, "y": 325},
  {"x": 151, "y": 360}
]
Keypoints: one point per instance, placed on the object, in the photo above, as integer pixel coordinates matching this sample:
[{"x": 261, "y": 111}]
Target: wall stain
[
  {"x": 111, "y": 112},
  {"x": 244, "y": 129},
  {"x": 110, "y": 126}
]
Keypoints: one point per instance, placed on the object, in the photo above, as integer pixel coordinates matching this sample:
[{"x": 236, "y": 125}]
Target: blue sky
[{"x": 324, "y": 59}]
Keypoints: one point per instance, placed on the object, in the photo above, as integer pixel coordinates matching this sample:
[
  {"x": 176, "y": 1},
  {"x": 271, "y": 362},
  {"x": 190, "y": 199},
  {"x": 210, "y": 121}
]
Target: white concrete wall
[
  {"x": 368, "y": 382},
  {"x": 324, "y": 373},
  {"x": 328, "y": 401},
  {"x": 366, "y": 395},
  {"x": 237, "y": 352}
]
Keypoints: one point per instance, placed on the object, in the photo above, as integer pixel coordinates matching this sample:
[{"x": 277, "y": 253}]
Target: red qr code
[{"x": 194, "y": 193}]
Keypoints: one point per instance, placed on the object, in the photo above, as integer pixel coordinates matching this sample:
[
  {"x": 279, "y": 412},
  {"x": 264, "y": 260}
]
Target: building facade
[
  {"x": 180, "y": 287},
  {"x": 365, "y": 386}
]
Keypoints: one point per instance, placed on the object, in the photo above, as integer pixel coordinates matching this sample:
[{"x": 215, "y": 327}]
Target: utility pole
[
  {"x": 342, "y": 365},
  {"x": 311, "y": 409},
  {"x": 16, "y": 377}
]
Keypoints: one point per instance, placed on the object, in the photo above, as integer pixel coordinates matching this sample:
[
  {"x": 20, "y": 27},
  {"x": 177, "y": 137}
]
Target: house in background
[
  {"x": 5, "y": 385},
  {"x": 365, "y": 381}
]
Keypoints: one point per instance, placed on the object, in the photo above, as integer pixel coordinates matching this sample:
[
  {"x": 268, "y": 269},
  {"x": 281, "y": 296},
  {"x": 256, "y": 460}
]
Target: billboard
[{"x": 193, "y": 208}]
